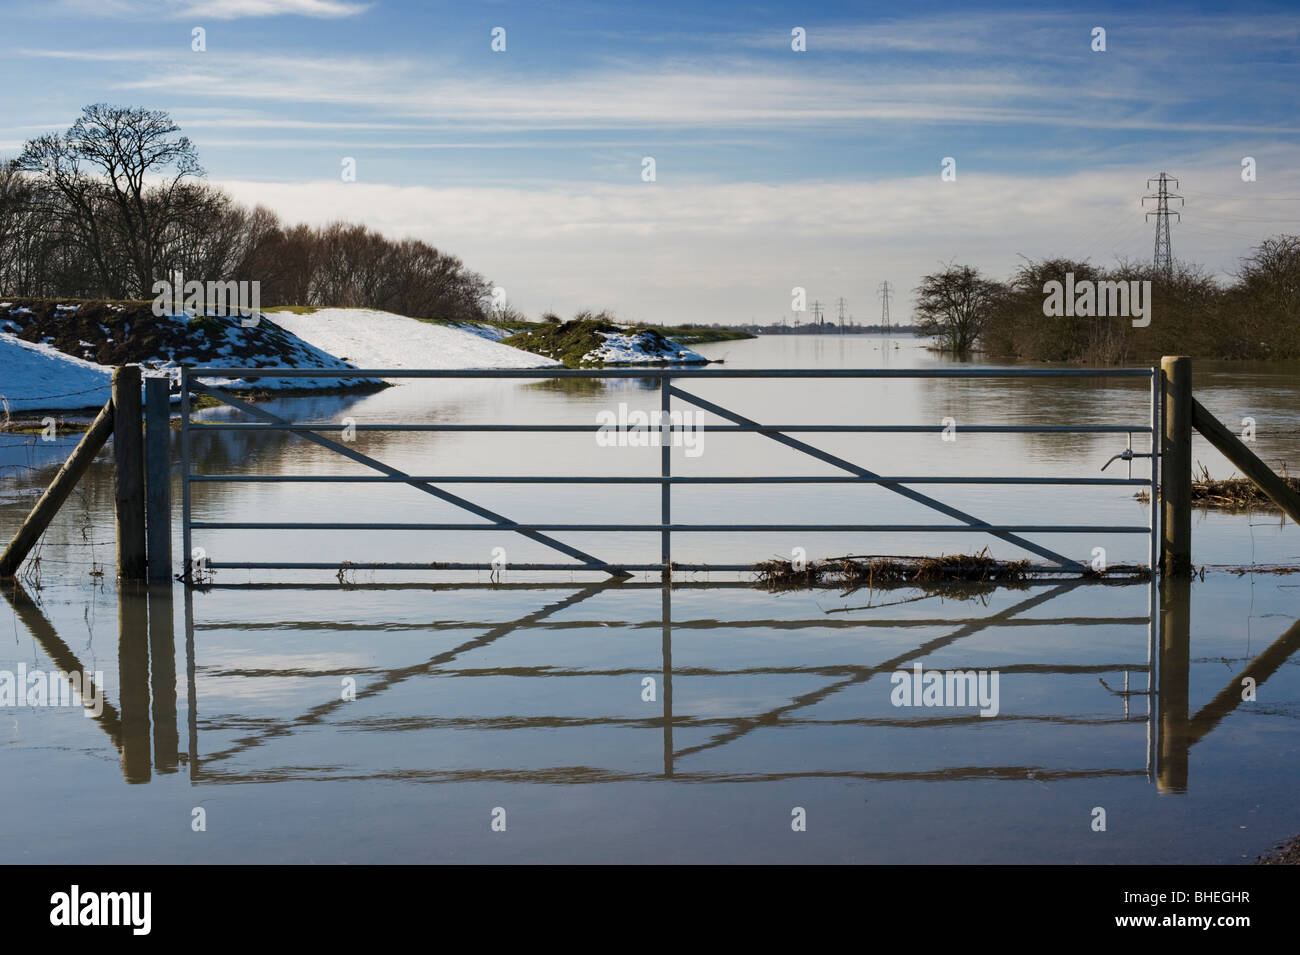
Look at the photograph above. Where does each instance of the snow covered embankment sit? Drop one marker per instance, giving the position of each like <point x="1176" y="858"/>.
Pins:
<point x="71" y="341"/>
<point x="375" y="340"/>
<point x="41" y="378"/>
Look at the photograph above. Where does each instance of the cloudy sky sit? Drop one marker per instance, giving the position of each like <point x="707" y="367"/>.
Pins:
<point x="774" y="168"/>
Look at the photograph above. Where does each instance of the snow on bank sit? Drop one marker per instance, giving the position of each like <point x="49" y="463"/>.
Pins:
<point x="639" y="348"/>
<point x="226" y="342"/>
<point x="40" y="377"/>
<point x="37" y="376"/>
<point x="493" y="333"/>
<point x="372" y="339"/>
<point x="47" y="353"/>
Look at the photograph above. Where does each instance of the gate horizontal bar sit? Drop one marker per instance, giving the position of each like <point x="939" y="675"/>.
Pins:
<point x="648" y="528"/>
<point x="648" y="479"/>
<point x="673" y="372"/>
<point x="599" y="567"/>
<point x="672" y="429"/>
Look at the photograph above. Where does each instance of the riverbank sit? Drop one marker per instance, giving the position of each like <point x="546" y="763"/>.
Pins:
<point x="594" y="343"/>
<point x="59" y="356"/>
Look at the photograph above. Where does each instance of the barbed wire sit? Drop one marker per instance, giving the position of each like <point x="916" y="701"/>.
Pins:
<point x="66" y="394"/>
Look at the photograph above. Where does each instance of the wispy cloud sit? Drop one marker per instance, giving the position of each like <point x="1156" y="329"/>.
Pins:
<point x="734" y="93"/>
<point x="218" y="9"/>
<point x="776" y="168"/>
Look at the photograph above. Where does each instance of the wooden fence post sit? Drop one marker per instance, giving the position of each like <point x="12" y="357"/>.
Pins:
<point x="1230" y="446"/>
<point x="1176" y="466"/>
<point x="128" y="452"/>
<point x="50" y="502"/>
<point x="158" y="483"/>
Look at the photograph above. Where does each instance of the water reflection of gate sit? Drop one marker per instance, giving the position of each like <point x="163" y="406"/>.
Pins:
<point x="663" y="379"/>
<point x="145" y="711"/>
<point x="210" y="766"/>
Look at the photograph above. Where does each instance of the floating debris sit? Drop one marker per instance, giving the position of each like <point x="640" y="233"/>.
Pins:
<point x="881" y="571"/>
<point x="1230" y="494"/>
<point x="874" y="571"/>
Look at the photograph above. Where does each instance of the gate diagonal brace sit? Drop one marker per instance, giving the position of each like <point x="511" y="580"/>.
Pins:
<point x="504" y="522"/>
<point x="907" y="492"/>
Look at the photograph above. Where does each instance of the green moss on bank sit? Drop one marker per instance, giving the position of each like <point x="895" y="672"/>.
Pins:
<point x="574" y="341"/>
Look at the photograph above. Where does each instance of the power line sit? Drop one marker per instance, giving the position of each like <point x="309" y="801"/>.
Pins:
<point x="1220" y="195"/>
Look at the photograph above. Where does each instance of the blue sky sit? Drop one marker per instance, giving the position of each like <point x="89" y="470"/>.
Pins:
<point x="774" y="168"/>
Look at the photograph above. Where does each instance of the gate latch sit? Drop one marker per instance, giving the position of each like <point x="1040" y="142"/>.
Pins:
<point x="1128" y="454"/>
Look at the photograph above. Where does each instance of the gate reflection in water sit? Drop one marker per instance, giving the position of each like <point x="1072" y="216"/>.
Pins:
<point x="143" y="722"/>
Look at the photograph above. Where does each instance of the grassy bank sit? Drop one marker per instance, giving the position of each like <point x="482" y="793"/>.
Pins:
<point x="594" y="343"/>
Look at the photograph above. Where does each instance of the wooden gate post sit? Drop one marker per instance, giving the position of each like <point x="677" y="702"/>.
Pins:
<point x="158" y="486"/>
<point x="128" y="453"/>
<point x="1176" y="466"/>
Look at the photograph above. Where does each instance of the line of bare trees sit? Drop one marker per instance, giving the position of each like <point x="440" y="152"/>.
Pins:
<point x="117" y="202"/>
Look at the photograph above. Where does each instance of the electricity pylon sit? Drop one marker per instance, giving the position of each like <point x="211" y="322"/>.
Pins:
<point x="1164" y="256"/>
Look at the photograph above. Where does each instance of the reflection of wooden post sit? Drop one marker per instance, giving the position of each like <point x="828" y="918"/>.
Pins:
<point x="1175" y="664"/>
<point x="158" y="486"/>
<point x="162" y="673"/>
<point x="133" y="677"/>
<point x="1176" y="466"/>
<point x="52" y="645"/>
<point x="57" y="492"/>
<point x="1230" y="697"/>
<point x="128" y="452"/>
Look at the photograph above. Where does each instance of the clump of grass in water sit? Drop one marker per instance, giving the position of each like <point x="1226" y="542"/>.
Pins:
<point x="1230" y="494"/>
<point x="886" y="571"/>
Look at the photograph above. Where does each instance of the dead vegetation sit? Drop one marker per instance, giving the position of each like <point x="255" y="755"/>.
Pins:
<point x="880" y="571"/>
<point x="1230" y="494"/>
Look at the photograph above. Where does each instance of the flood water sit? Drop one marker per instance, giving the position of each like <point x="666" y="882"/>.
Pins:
<point x="630" y="722"/>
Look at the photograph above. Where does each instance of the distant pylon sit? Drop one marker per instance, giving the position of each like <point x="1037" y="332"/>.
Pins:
<point x="817" y="312"/>
<point x="1164" y="256"/>
<point x="840" y="306"/>
<point x="885" y="290"/>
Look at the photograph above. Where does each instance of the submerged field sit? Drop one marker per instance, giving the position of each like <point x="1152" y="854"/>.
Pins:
<point x="363" y="716"/>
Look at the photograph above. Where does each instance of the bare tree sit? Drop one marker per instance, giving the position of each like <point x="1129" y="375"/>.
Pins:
<point x="116" y="202"/>
<point x="955" y="305"/>
<point x="120" y="171"/>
